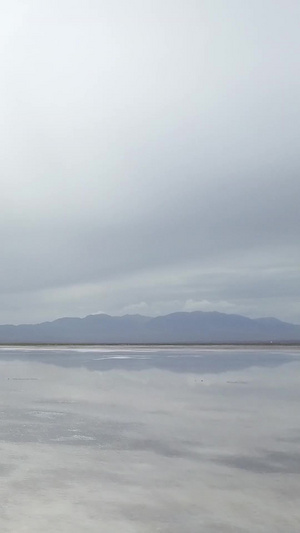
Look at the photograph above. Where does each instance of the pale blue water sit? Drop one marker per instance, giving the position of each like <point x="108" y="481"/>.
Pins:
<point x="173" y="359"/>
<point x="143" y="439"/>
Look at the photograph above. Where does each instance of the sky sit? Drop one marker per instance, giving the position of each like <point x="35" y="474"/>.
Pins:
<point x="149" y="158"/>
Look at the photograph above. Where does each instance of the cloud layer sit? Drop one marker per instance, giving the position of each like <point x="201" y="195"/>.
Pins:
<point x="149" y="158"/>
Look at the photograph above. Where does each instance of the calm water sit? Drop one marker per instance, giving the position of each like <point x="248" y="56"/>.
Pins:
<point x="141" y="439"/>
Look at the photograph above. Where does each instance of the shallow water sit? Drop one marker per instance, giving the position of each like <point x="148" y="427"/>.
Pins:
<point x="143" y="439"/>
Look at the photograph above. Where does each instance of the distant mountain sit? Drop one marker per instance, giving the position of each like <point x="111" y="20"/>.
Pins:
<point x="195" y="327"/>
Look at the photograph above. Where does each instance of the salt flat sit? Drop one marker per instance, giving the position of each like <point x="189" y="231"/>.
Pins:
<point x="144" y="439"/>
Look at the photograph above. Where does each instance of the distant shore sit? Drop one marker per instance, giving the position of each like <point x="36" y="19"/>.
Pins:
<point x="155" y="345"/>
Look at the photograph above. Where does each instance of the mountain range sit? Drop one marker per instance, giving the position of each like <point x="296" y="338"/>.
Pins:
<point x="182" y="327"/>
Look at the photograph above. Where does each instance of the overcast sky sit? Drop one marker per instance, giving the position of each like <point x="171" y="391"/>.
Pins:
<point x="149" y="157"/>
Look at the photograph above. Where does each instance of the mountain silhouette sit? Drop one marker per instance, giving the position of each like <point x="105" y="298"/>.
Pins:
<point x="182" y="327"/>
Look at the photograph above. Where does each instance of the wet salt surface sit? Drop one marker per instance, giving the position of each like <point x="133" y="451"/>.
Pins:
<point x="173" y="359"/>
<point x="143" y="439"/>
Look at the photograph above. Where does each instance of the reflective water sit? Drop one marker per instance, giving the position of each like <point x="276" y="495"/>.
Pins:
<point x="141" y="439"/>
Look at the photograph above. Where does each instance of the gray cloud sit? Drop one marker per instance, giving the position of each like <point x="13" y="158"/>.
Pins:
<point x="268" y="463"/>
<point x="146" y="145"/>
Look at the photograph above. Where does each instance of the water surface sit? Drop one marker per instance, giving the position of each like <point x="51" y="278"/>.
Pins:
<point x="143" y="439"/>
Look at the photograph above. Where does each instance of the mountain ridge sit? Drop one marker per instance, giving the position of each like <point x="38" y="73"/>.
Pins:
<point x="175" y="328"/>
